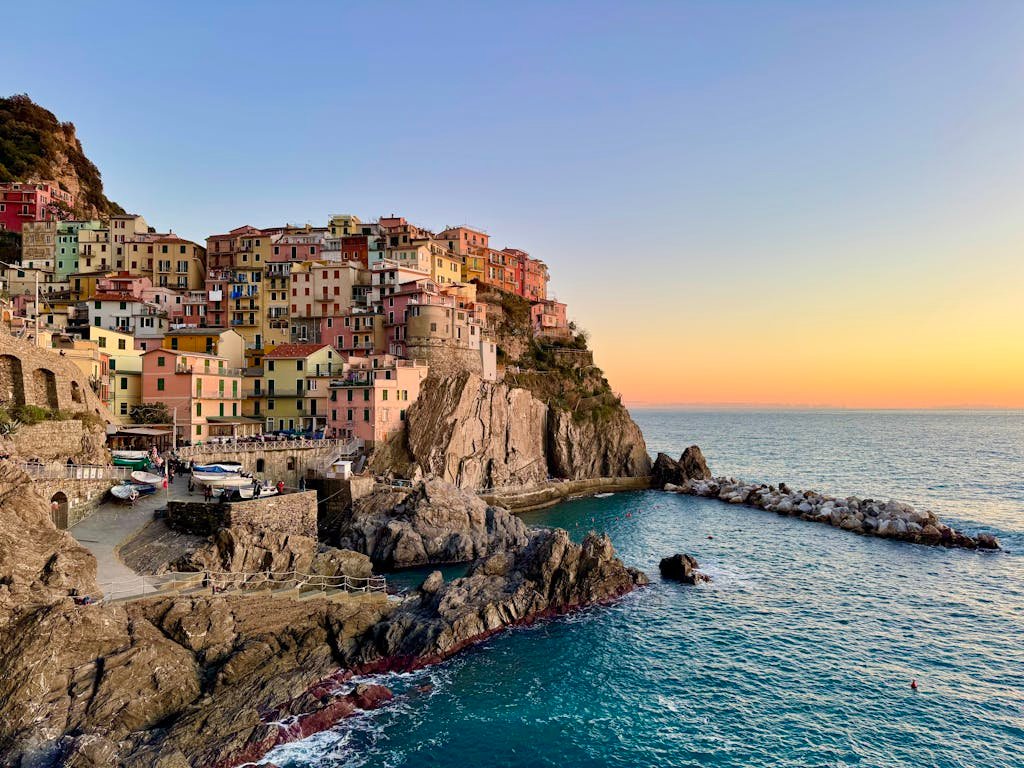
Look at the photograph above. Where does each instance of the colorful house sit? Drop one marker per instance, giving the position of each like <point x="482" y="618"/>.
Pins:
<point x="289" y="370"/>
<point x="220" y="342"/>
<point x="25" y="201"/>
<point x="371" y="397"/>
<point x="202" y="391"/>
<point x="125" y="370"/>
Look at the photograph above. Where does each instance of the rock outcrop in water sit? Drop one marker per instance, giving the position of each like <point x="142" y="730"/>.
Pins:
<point x="435" y="523"/>
<point x="887" y="519"/>
<point x="691" y="466"/>
<point x="549" y="576"/>
<point x="682" y="568"/>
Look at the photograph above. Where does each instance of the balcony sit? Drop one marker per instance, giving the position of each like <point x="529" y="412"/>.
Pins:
<point x="202" y="370"/>
<point x="354" y="379"/>
<point x="289" y="392"/>
<point x="244" y="322"/>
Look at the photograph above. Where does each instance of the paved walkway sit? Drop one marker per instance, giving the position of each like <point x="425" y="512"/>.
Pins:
<point x="114" y="522"/>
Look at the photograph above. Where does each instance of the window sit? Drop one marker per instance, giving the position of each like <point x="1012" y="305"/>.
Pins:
<point x="221" y="409"/>
<point x="199" y="427"/>
<point x="124" y="382"/>
<point x="199" y="409"/>
<point x="383" y="394"/>
<point x="234" y="409"/>
<point x="349" y="416"/>
<point x="270" y="365"/>
<point x="160" y="361"/>
<point x="298" y="365"/>
<point x="101" y="342"/>
<point x="121" y="344"/>
<point x="270" y="405"/>
<point x="160" y="385"/>
<point x="124" y="409"/>
<point x="366" y="414"/>
<point x="366" y="395"/>
<point x="174" y="342"/>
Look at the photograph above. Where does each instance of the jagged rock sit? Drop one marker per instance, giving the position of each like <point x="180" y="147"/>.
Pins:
<point x="38" y="563"/>
<point x="666" y="471"/>
<point x="693" y="465"/>
<point x="246" y="550"/>
<point x="680" y="567"/>
<point x="435" y="523"/>
<point x="548" y="576"/>
<point x="477" y="434"/>
<point x="583" y="448"/>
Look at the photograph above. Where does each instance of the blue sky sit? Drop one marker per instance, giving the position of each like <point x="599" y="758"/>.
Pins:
<point x="733" y="155"/>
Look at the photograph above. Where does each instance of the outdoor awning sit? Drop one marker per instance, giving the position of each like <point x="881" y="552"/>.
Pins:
<point x="234" y="420"/>
<point x="143" y="431"/>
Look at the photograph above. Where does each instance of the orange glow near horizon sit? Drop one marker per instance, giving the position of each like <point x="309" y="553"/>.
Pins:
<point x="951" y="338"/>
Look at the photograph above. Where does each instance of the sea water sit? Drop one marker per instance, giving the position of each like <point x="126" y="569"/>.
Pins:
<point x="799" y="653"/>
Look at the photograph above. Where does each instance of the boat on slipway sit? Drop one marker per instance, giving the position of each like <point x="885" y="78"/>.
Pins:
<point x="135" y="455"/>
<point x="131" y="491"/>
<point x="221" y="480"/>
<point x="147" y="478"/>
<point x="122" y="461"/>
<point x="222" y="467"/>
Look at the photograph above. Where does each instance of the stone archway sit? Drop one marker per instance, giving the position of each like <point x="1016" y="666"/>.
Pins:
<point x="12" y="381"/>
<point x="45" y="385"/>
<point x="59" y="510"/>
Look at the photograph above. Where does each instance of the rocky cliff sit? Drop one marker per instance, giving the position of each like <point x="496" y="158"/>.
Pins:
<point x="216" y="681"/>
<point x="35" y="146"/>
<point x="477" y="434"/>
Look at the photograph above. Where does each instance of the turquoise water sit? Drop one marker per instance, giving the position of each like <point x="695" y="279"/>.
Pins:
<point x="801" y="651"/>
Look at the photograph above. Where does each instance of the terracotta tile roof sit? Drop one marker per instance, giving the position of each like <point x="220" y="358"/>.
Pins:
<point x="296" y="350"/>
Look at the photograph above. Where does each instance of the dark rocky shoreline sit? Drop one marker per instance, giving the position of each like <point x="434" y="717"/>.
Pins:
<point x="886" y="519"/>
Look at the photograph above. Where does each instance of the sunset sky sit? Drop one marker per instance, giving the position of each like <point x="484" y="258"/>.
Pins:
<point x="745" y="203"/>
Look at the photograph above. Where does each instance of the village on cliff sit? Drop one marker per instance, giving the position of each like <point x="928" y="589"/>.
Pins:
<point x="324" y="331"/>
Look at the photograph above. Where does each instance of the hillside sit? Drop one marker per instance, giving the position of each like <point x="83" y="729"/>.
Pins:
<point x="34" y="145"/>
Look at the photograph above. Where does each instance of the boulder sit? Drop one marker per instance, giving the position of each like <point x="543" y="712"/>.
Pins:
<point x="680" y="567"/>
<point x="435" y="523"/>
<point x="666" y="471"/>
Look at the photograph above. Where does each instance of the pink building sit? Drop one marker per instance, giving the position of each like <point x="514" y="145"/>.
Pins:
<point x="27" y="201"/>
<point x="202" y="392"/>
<point x="354" y="334"/>
<point x="550" y="319"/>
<point x="370" y="399"/>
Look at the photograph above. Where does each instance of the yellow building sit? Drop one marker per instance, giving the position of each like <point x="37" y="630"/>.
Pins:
<point x="83" y="284"/>
<point x="226" y="343"/>
<point x="178" y="263"/>
<point x="125" y="370"/>
<point x="344" y="225"/>
<point x="94" y="251"/>
<point x="290" y="405"/>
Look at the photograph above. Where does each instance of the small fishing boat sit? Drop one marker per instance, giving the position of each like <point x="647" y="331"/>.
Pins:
<point x="130" y="454"/>
<point x="223" y="467"/>
<point x="247" y="493"/>
<point x="132" y="491"/>
<point x="142" y="463"/>
<point x="147" y="478"/>
<point x="217" y="480"/>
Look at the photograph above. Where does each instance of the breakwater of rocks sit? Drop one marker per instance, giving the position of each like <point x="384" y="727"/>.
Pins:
<point x="871" y="517"/>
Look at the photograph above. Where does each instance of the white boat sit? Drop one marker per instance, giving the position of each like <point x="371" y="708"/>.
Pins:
<point x="216" y="480"/>
<point x="223" y="467"/>
<point x="147" y="477"/>
<point x="247" y="493"/>
<point x="603" y="495"/>
<point x="130" y="492"/>
<point x="130" y="454"/>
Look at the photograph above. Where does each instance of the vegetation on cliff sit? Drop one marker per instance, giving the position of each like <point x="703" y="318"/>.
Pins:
<point x="34" y="145"/>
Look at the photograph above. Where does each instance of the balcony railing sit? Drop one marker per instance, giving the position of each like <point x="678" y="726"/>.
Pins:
<point x="209" y="371"/>
<point x="361" y="379"/>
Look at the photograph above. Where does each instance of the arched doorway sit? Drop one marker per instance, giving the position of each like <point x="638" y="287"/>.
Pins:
<point x="261" y="465"/>
<point x="59" y="510"/>
<point x="12" y="385"/>
<point x="45" y="388"/>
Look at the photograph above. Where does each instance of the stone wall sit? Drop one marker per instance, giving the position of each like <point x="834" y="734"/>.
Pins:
<point x="31" y="375"/>
<point x="57" y="441"/>
<point x="83" y="496"/>
<point x="287" y="464"/>
<point x="446" y="360"/>
<point x="290" y="513"/>
<point x="547" y="494"/>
